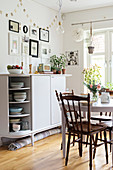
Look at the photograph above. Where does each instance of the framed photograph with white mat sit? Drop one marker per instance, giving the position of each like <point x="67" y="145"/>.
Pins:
<point x="33" y="32"/>
<point x="13" y="44"/>
<point x="33" y="48"/>
<point x="43" y="35"/>
<point x="25" y="48"/>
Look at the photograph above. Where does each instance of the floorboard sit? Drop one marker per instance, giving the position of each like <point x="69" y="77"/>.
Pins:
<point x="46" y="155"/>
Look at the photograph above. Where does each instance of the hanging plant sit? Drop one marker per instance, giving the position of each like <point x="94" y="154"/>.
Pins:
<point x="91" y="47"/>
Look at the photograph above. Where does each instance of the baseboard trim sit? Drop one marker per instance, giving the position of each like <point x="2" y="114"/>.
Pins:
<point x="0" y="142"/>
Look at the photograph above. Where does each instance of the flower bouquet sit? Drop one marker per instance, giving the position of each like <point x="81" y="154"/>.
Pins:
<point x="92" y="80"/>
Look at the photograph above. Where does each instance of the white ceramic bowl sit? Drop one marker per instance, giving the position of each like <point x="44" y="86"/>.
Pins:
<point x="15" y="71"/>
<point x="20" y="97"/>
<point x="16" y="127"/>
<point x="20" y="93"/>
<point x="20" y="100"/>
<point x="17" y="84"/>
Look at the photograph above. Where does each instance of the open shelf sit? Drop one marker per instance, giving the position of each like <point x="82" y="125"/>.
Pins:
<point x="24" y="88"/>
<point x="21" y="133"/>
<point x="22" y="115"/>
<point x="27" y="101"/>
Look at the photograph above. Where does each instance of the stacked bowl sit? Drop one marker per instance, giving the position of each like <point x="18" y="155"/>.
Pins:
<point x="15" y="110"/>
<point x="17" y="84"/>
<point x="20" y="96"/>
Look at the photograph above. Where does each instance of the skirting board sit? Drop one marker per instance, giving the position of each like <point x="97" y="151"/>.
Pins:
<point x="0" y="142"/>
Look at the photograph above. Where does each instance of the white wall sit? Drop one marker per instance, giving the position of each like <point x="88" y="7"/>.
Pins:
<point x="76" y="81"/>
<point x="39" y="14"/>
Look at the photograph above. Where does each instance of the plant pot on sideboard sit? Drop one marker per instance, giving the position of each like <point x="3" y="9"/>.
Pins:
<point x="63" y="71"/>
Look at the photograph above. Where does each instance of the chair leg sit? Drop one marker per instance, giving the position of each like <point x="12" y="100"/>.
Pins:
<point x="106" y="147"/>
<point x="87" y="140"/>
<point x="73" y="140"/>
<point x="81" y="146"/>
<point x="100" y="135"/>
<point x="61" y="147"/>
<point x="95" y="144"/>
<point x="90" y="152"/>
<point x="68" y="147"/>
<point x="110" y="138"/>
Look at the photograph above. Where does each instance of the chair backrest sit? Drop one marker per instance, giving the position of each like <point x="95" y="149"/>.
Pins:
<point x="72" y="106"/>
<point x="65" y="94"/>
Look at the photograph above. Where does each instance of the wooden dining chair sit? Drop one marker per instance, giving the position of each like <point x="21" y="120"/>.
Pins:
<point x="80" y="127"/>
<point x="58" y="98"/>
<point x="104" y="119"/>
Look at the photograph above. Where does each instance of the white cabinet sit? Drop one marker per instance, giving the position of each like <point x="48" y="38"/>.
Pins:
<point x="40" y="102"/>
<point x="57" y="83"/>
<point x="41" y="106"/>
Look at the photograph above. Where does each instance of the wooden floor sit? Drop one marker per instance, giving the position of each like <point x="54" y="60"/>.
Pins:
<point x="46" y="155"/>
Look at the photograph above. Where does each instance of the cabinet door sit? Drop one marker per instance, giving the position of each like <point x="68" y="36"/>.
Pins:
<point x="40" y="102"/>
<point x="57" y="83"/>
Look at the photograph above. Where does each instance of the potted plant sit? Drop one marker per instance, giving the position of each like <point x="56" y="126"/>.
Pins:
<point x="90" y="41"/>
<point x="53" y="61"/>
<point x="56" y="64"/>
<point x="63" y="62"/>
<point x="92" y="80"/>
<point x="109" y="87"/>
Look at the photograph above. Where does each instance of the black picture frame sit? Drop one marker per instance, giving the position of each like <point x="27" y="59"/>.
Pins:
<point x="14" y="26"/>
<point x="43" y="35"/>
<point x="25" y="29"/>
<point x="36" y="45"/>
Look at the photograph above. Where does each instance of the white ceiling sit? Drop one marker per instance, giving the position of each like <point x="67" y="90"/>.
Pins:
<point x="71" y="6"/>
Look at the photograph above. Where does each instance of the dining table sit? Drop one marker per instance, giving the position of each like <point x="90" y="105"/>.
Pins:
<point x="95" y="108"/>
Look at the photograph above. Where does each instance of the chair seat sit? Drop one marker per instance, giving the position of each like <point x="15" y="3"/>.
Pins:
<point x="101" y="118"/>
<point x="94" y="128"/>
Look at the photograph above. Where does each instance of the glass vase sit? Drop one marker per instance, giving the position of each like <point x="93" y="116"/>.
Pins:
<point x="94" y="96"/>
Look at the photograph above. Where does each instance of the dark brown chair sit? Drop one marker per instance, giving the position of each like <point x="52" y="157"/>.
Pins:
<point x="80" y="127"/>
<point x="104" y="119"/>
<point x="58" y="98"/>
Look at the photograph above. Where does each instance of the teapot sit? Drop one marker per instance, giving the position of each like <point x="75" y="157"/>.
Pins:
<point x="105" y="97"/>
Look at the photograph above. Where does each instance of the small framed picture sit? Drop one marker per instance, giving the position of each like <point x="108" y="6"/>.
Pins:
<point x="33" y="48"/>
<point x="25" y="29"/>
<point x="72" y="58"/>
<point x="14" y="44"/>
<point x="25" y="38"/>
<point x="43" y="35"/>
<point x="45" y="50"/>
<point x="25" y="48"/>
<point x="13" y="26"/>
<point x="33" y="32"/>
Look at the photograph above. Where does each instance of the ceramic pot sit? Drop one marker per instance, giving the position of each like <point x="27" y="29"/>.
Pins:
<point x="59" y="71"/>
<point x="63" y="71"/>
<point x="54" y="71"/>
<point x="90" y="49"/>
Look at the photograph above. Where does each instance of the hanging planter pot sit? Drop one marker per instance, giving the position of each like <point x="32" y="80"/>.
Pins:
<point x="90" y="47"/>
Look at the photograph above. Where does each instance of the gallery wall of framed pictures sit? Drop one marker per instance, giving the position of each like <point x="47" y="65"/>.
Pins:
<point x="25" y="40"/>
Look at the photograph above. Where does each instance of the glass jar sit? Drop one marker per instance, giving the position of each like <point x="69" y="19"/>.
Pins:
<point x="25" y="125"/>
